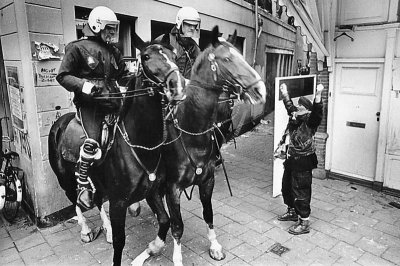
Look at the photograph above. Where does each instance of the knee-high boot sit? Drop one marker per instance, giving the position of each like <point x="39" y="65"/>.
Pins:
<point x="86" y="188"/>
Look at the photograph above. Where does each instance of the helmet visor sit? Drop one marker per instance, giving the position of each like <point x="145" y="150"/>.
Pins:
<point x="191" y="28"/>
<point x="110" y="32"/>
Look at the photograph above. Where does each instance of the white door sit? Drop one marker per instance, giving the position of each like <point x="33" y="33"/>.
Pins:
<point x="356" y="110"/>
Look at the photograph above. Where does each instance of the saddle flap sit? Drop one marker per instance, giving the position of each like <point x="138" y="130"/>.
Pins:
<point x="72" y="140"/>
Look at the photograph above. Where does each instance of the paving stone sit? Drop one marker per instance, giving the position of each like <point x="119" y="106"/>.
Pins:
<point x="9" y="255"/>
<point x="29" y="241"/>
<point x="322" y="214"/>
<point x="227" y="261"/>
<point x="347" y="251"/>
<point x="246" y="252"/>
<point x="242" y="218"/>
<point x="253" y="238"/>
<point x="371" y="246"/>
<point x="392" y="254"/>
<point x="278" y="235"/>
<point x="300" y="243"/>
<point x="259" y="226"/>
<point x="323" y="256"/>
<point x="345" y="261"/>
<point x="267" y="259"/>
<point x="6" y="243"/>
<point x="322" y="205"/>
<point x="54" y="229"/>
<point x="198" y="245"/>
<point x="345" y="235"/>
<point x="234" y="229"/>
<point x="388" y="228"/>
<point x="323" y="240"/>
<point x="371" y="260"/>
<point x="229" y="241"/>
<point x="35" y="253"/>
<point x="57" y="238"/>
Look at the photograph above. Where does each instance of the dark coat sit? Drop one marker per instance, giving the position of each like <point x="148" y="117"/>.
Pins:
<point x="186" y="48"/>
<point x="90" y="59"/>
<point x="301" y="150"/>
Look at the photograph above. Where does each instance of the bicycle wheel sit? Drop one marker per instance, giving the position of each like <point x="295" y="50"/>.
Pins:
<point x="12" y="202"/>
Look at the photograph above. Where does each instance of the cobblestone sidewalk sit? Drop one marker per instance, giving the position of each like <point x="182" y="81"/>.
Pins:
<point x="351" y="225"/>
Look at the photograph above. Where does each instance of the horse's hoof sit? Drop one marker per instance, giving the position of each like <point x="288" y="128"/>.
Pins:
<point x="108" y="235"/>
<point x="134" y="209"/>
<point x="217" y="254"/>
<point x="91" y="236"/>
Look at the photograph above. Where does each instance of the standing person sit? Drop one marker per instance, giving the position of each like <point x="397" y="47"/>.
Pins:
<point x="184" y="37"/>
<point x="91" y="67"/>
<point x="301" y="158"/>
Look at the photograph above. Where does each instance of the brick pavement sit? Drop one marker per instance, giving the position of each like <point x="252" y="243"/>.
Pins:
<point x="351" y="225"/>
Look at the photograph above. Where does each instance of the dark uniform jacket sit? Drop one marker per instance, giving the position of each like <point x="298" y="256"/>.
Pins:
<point x="301" y="149"/>
<point x="91" y="60"/>
<point x="187" y="50"/>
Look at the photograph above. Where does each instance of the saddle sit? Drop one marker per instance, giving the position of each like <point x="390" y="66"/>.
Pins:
<point x="74" y="136"/>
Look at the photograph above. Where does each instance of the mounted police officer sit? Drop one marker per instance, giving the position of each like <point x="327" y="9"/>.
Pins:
<point x="184" y="37"/>
<point x="91" y="68"/>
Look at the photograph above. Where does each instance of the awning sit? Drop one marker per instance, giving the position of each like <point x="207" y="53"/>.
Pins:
<point x="306" y="17"/>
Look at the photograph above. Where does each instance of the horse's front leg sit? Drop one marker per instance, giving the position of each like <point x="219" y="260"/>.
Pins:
<point x="118" y="216"/>
<point x="155" y="247"/>
<point x="205" y="190"/>
<point x="87" y="235"/>
<point x="106" y="224"/>
<point x="173" y="201"/>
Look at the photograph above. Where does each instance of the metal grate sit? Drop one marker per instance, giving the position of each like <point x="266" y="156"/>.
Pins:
<point x="278" y="249"/>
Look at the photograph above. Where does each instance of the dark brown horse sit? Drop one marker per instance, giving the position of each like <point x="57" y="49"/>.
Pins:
<point x="130" y="168"/>
<point x="190" y="154"/>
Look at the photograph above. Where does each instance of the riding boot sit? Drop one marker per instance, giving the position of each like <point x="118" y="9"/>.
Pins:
<point x="86" y="188"/>
<point x="289" y="215"/>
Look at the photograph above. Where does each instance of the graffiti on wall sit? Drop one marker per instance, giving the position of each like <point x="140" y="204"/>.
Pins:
<point x="22" y="143"/>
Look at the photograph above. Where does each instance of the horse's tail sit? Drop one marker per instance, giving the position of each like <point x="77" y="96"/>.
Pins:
<point x="57" y="163"/>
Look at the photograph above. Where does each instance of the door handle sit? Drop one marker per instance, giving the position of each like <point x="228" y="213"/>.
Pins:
<point x="378" y="114"/>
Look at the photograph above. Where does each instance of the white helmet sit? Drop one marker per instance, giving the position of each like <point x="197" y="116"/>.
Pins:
<point x="187" y="13"/>
<point x="101" y="16"/>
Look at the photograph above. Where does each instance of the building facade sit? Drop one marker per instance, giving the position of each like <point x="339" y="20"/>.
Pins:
<point x="33" y="37"/>
<point x="352" y="46"/>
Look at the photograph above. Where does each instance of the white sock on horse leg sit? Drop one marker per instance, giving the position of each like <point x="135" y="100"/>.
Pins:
<point x="177" y="256"/>
<point x="212" y="236"/>
<point x="106" y="224"/>
<point x="82" y="221"/>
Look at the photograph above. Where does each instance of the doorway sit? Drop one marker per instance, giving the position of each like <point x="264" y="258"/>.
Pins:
<point x="356" y="111"/>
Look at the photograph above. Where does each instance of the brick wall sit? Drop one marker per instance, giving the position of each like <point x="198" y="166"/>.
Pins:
<point x="321" y="135"/>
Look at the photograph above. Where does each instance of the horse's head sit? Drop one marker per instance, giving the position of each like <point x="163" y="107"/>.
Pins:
<point x="158" y="66"/>
<point x="231" y="69"/>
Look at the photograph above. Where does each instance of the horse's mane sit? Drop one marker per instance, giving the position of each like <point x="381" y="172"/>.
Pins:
<point x="200" y="59"/>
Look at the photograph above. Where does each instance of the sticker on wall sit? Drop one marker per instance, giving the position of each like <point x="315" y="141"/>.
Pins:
<point x="45" y="51"/>
<point x="15" y="94"/>
<point x="46" y="72"/>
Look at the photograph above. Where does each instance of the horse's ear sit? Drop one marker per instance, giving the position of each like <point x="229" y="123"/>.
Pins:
<point x="138" y="42"/>
<point x="232" y="38"/>
<point x="215" y="34"/>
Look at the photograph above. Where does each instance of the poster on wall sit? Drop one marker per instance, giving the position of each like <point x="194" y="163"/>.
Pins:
<point x="15" y="93"/>
<point x="297" y="86"/>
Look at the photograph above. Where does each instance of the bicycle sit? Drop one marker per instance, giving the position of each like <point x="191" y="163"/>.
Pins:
<point x="10" y="186"/>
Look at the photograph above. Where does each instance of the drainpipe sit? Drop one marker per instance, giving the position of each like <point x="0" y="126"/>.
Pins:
<point x="256" y="28"/>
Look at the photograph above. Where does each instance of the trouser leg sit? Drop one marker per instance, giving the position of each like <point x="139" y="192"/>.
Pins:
<point x="301" y="182"/>
<point x="287" y="188"/>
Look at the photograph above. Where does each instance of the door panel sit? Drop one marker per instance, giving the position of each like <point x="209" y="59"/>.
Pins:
<point x="356" y="110"/>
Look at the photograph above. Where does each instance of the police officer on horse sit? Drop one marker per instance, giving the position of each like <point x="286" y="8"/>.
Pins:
<point x="184" y="37"/>
<point x="90" y="69"/>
